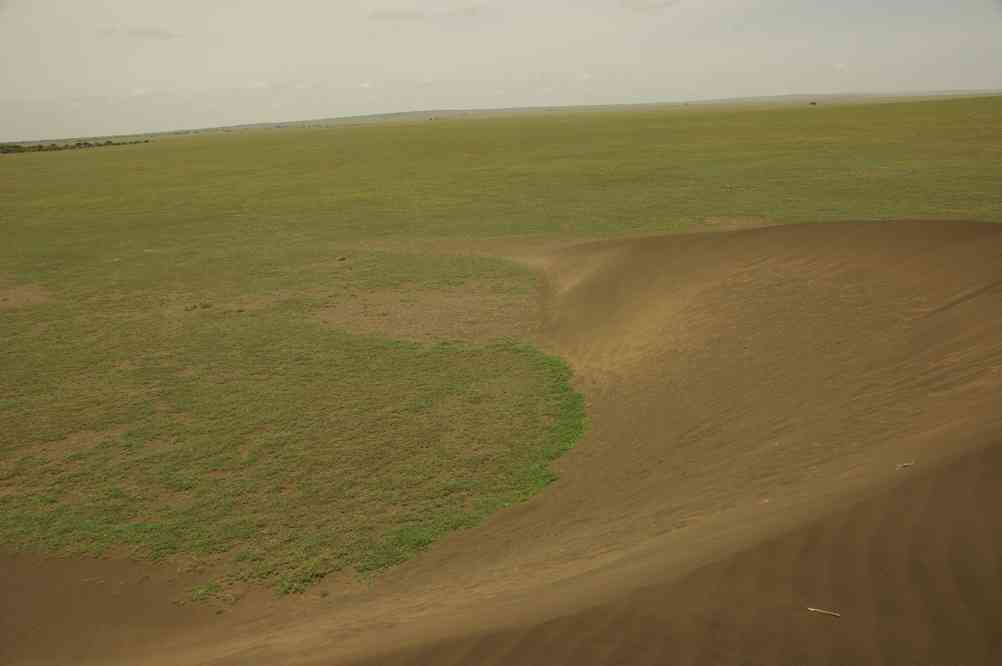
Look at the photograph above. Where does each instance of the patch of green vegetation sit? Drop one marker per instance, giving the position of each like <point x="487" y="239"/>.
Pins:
<point x="205" y="592"/>
<point x="265" y="441"/>
<point x="174" y="394"/>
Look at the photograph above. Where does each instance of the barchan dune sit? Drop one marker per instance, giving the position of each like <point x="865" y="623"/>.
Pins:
<point x="781" y="419"/>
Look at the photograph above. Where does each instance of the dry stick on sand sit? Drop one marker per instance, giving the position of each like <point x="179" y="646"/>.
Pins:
<point x="824" y="612"/>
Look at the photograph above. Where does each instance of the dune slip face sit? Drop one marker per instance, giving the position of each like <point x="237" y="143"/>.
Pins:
<point x="780" y="419"/>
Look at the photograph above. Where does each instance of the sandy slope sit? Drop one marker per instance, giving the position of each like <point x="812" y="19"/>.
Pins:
<point x="752" y="386"/>
<point x="752" y="395"/>
<point x="914" y="573"/>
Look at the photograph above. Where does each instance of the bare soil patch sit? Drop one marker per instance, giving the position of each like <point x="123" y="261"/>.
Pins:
<point x="472" y="313"/>
<point x="22" y="296"/>
<point x="77" y="442"/>
<point x="53" y="610"/>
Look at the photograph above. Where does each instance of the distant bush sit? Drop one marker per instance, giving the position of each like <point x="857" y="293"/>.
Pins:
<point x="11" y="148"/>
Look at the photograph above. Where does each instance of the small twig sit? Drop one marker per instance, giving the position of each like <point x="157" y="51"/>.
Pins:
<point x="905" y="465"/>
<point x="825" y="612"/>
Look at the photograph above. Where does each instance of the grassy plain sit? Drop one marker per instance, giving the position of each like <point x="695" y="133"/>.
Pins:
<point x="168" y="387"/>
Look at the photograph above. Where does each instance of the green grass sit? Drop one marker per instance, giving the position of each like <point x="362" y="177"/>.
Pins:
<point x="286" y="449"/>
<point x="260" y="441"/>
<point x="601" y="173"/>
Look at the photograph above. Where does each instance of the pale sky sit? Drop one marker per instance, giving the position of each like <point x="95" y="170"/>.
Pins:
<point x="93" y="67"/>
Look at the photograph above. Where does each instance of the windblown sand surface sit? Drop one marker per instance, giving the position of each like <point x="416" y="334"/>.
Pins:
<point x="780" y="418"/>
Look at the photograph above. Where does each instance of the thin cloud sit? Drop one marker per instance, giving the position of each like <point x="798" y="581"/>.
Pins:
<point x="408" y="14"/>
<point x="141" y="33"/>
<point x="400" y="15"/>
<point x="475" y="11"/>
<point x="648" y="6"/>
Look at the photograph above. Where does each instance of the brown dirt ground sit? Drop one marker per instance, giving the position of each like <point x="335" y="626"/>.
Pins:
<point x="471" y="313"/>
<point x="73" y="443"/>
<point x="752" y="396"/>
<point x="60" y="611"/>
<point x="22" y="296"/>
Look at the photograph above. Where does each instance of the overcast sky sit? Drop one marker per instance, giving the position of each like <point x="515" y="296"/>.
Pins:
<point x="91" y="67"/>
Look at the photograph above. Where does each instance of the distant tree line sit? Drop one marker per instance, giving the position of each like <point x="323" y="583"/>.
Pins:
<point x="9" y="148"/>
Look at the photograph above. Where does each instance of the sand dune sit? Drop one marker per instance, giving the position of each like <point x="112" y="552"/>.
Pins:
<point x="780" y="418"/>
<point x="913" y="573"/>
<point x="752" y="396"/>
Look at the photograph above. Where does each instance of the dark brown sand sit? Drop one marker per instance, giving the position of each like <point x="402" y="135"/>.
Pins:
<point x="781" y="418"/>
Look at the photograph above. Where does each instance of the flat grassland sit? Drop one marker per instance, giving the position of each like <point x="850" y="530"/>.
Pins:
<point x="280" y="354"/>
